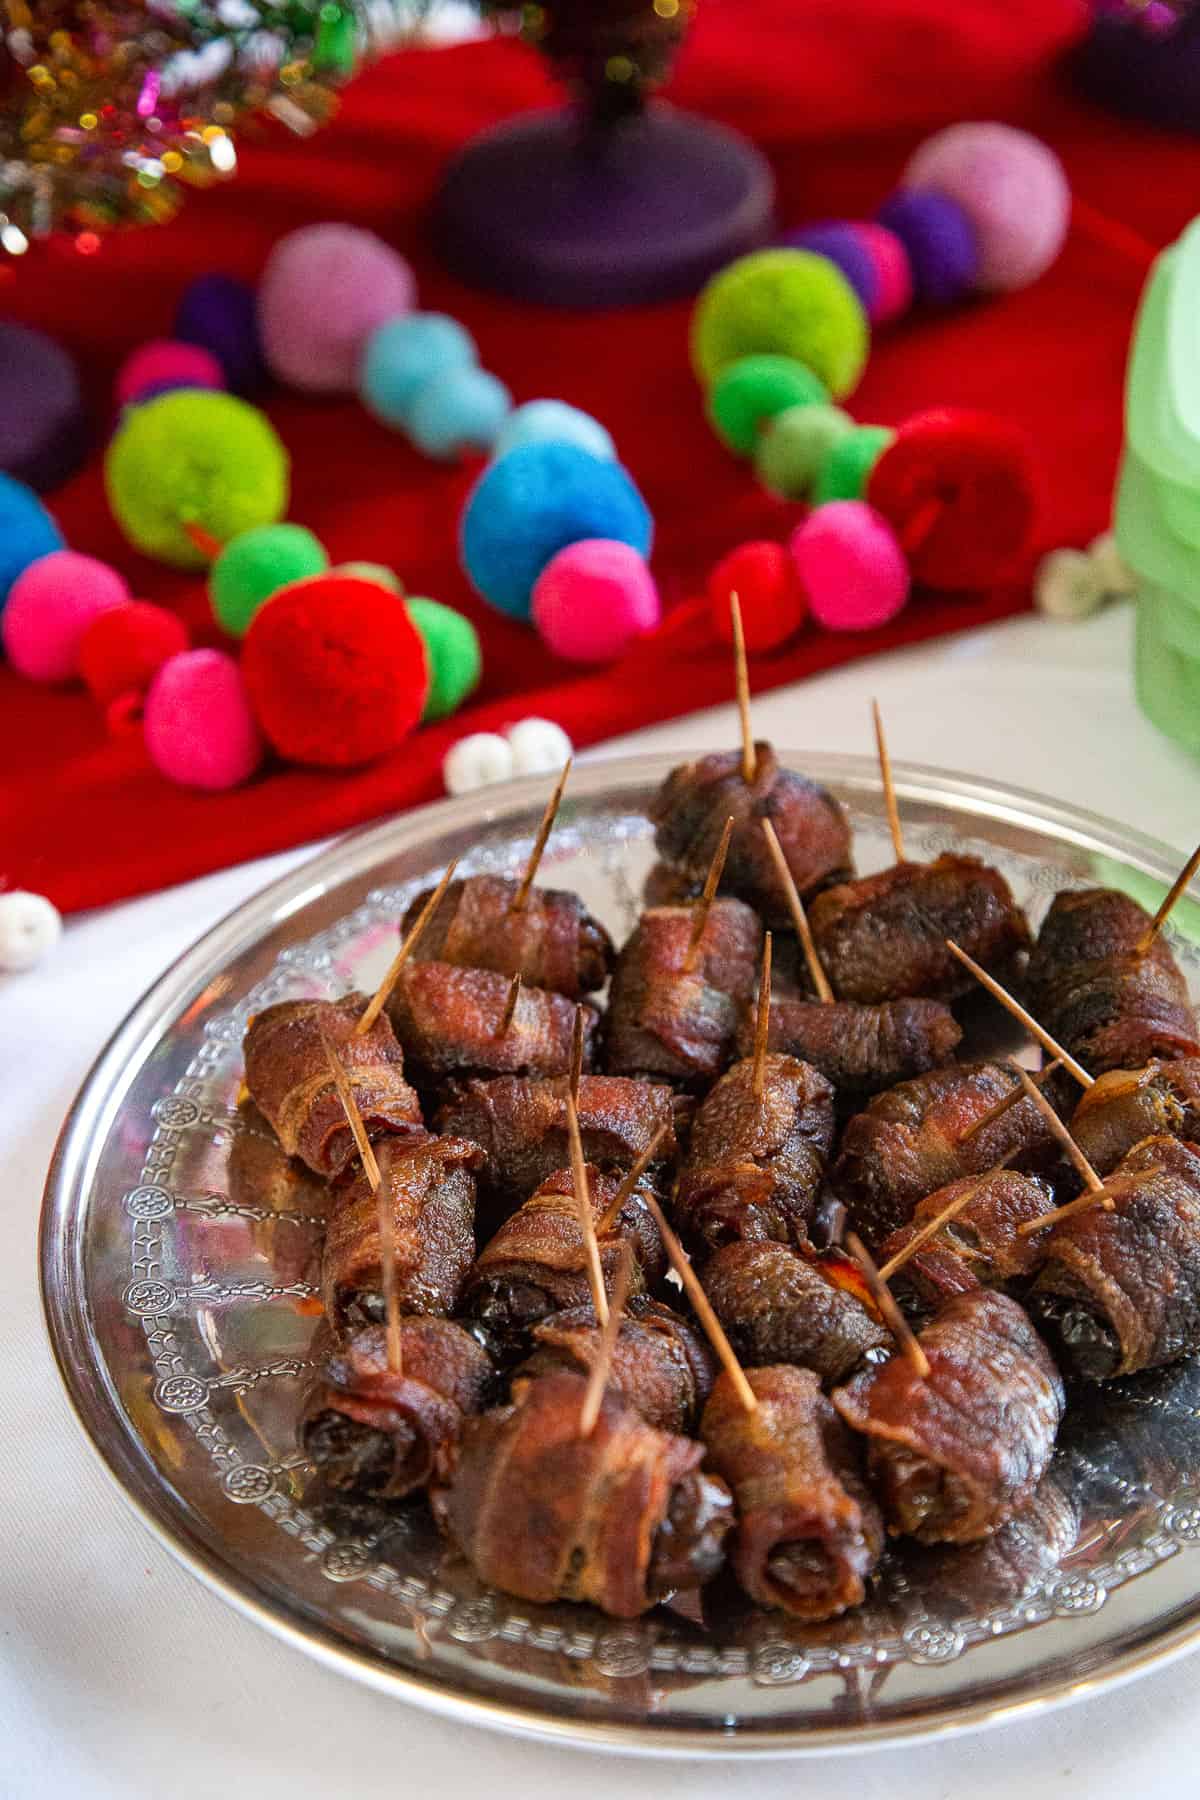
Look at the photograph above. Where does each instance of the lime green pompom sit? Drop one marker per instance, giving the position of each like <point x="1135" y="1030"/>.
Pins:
<point x="197" y="457"/>
<point x="256" y="565"/>
<point x="369" y="571"/>
<point x="749" y="392"/>
<point x="455" y="658"/>
<point x="786" y="302"/>
<point x="794" y="445"/>
<point x="847" y="468"/>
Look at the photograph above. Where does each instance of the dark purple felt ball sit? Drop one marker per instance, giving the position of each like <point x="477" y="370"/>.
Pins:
<point x="838" y="240"/>
<point x="942" y="246"/>
<point x="220" y="313"/>
<point x="43" y="427"/>
<point x="1144" y="73"/>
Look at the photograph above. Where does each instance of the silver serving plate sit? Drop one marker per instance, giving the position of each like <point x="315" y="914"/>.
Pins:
<point x="179" y="1255"/>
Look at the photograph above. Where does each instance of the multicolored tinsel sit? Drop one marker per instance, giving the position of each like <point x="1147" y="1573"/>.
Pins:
<point x="1157" y="18"/>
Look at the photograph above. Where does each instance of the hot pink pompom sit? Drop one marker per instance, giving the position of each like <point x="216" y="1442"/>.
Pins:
<point x="50" y="606"/>
<point x="1013" y="189"/>
<point x="199" y="728"/>
<point x="851" y="566"/>
<point x="163" y="362"/>
<point x="592" y="598"/>
<point x="323" y="292"/>
<point x="893" y="271"/>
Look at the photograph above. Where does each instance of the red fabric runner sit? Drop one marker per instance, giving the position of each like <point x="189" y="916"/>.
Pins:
<point x="837" y="92"/>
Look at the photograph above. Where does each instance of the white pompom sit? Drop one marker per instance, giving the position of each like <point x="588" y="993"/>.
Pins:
<point x="1068" y="585"/>
<point x="539" y="747"/>
<point x="29" y="929"/>
<point x="1112" y="571"/>
<point x="476" y="762"/>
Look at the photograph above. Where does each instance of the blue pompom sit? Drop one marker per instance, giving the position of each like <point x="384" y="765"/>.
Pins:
<point x="402" y="354"/>
<point x="460" y="410"/>
<point x="533" y="503"/>
<point x="26" y="532"/>
<point x="554" y="422"/>
<point x="220" y="313"/>
<point x="942" y="245"/>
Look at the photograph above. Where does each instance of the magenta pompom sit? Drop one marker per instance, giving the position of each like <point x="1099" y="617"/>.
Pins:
<point x="592" y="598"/>
<point x="893" y="271"/>
<point x="165" y="363"/>
<point x="851" y="566"/>
<point x="50" y="606"/>
<point x="324" y="290"/>
<point x="200" y="730"/>
<point x="1013" y="189"/>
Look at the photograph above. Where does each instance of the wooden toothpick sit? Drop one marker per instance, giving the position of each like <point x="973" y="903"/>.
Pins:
<point x="510" y="1006"/>
<point x="602" y="1365"/>
<point x="882" y="1295"/>
<point x="383" y="1201"/>
<point x="791" y="892"/>
<point x="681" y="1262"/>
<point x="762" y="1025"/>
<point x="889" y="786"/>
<point x="703" y="906"/>
<point x="1050" y="1045"/>
<point x="576" y="1075"/>
<point x="380" y="997"/>
<point x="629" y="1181"/>
<point x="583" y="1206"/>
<point x="1161" y="916"/>
<point x="742" y="677"/>
<point x="520" y="898"/>
<point x="1103" y="1200"/>
<point x="931" y="1228"/>
<point x="1016" y="1092"/>
<point x="1088" y="1175"/>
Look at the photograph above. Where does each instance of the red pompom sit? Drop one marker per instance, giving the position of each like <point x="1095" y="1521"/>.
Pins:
<point x="960" y="490"/>
<point x="764" y="578"/>
<point x="121" y="652"/>
<point x="336" y="670"/>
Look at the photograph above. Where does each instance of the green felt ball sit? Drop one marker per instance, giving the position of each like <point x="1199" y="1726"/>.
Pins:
<point x="455" y="658"/>
<point x="847" y="468"/>
<point x="787" y="302"/>
<point x="199" y="457"/>
<point x="794" y="444"/>
<point x="749" y="392"/>
<point x="369" y="571"/>
<point x="256" y="565"/>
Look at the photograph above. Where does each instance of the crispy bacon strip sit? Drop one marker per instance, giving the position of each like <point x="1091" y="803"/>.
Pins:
<point x="662" y="1365"/>
<point x="1126" y="1105"/>
<point x="981" y="1246"/>
<point x="778" y="1306"/>
<point x="288" y="1078"/>
<point x="621" y="1518"/>
<point x="861" y="1049"/>
<point x="553" y="941"/>
<point x="809" y="1532"/>
<point x="450" y="1022"/>
<point x="954" y="1454"/>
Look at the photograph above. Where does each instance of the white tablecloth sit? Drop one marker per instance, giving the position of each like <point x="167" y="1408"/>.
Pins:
<point x="120" y="1674"/>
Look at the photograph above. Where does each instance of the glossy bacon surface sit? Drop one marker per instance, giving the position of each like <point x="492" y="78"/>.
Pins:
<point x="552" y="942"/>
<point x="662" y="1365"/>
<point x="981" y="1246"/>
<point x="861" y="1049"/>
<point x="1126" y="1105"/>
<point x="449" y="1019"/>
<point x="778" y="1306"/>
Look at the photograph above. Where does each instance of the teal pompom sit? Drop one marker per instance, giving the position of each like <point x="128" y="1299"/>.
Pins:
<point x="402" y="354"/>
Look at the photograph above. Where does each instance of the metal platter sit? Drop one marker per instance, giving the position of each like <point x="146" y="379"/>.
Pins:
<point x="178" y="1262"/>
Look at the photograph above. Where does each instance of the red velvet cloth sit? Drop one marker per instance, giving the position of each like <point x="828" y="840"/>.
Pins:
<point x="837" y="92"/>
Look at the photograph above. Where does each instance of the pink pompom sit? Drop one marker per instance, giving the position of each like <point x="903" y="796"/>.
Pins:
<point x="893" y="271"/>
<point x="1013" y="189"/>
<point x="851" y="566"/>
<point x="50" y="606"/>
<point x="592" y="598"/>
<point x="323" y="292"/>
<point x="199" y="728"/>
<point x="165" y="362"/>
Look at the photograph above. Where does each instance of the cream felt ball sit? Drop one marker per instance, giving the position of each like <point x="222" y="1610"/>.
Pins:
<point x="593" y="598"/>
<point x="30" y="926"/>
<point x="324" y="290"/>
<point x="539" y="746"/>
<point x="50" y="606"/>
<point x="200" y="730"/>
<point x="786" y="303"/>
<point x="477" y="761"/>
<point x="1011" y="186"/>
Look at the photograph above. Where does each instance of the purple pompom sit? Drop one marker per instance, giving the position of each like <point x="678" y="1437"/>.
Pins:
<point x="942" y="246"/>
<point x="220" y="313"/>
<point x="840" y="242"/>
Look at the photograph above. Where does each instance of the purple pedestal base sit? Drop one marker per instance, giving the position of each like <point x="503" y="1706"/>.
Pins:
<point x="647" y="212"/>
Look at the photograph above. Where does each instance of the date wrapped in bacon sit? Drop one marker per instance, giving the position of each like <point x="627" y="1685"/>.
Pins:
<point x="755" y="1162"/>
<point x="972" y="1580"/>
<point x="537" y="1262"/>
<point x="778" y="1306"/>
<point x="377" y="1434"/>
<point x="1086" y="984"/>
<point x="1119" y="1291"/>
<point x="681" y="1026"/>
<point x="621" y="1518"/>
<point x="955" y="1453"/>
<point x="691" y="807"/>
<point x="449" y="1022"/>
<point x="910" y="1141"/>
<point x="288" y="1078"/>
<point x="861" y="1049"/>
<point x="552" y="942"/>
<point x="809" y="1533"/>
<point x="981" y="1246"/>
<point x="662" y="1366"/>
<point x="430" y="1183"/>
<point x="884" y="937"/>
<point x="1126" y="1105"/>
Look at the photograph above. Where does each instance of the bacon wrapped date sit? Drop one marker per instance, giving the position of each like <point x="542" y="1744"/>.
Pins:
<point x="955" y="1453"/>
<point x="552" y="942"/>
<point x="1119" y="1291"/>
<point x="755" y="1162"/>
<point x="909" y="1142"/>
<point x="971" y="1580"/>
<point x="288" y="1078"/>
<point x="376" y="1434"/>
<point x="809" y="1533"/>
<point x="449" y="1020"/>
<point x="691" y="807"/>
<point x="1110" y="1007"/>
<point x="778" y="1306"/>
<point x="665" y="1022"/>
<point x="861" y="1049"/>
<point x="662" y="1365"/>
<point x="1126" y="1105"/>
<point x="430" y="1183"/>
<point x="621" y="1518"/>
<point x="981" y="1246"/>
<point x="883" y="937"/>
